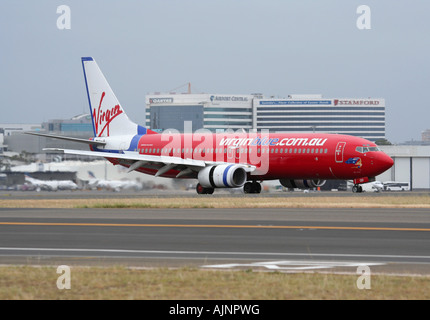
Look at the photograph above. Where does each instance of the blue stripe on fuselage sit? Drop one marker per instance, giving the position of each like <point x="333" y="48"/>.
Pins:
<point x="141" y="130"/>
<point x="134" y="142"/>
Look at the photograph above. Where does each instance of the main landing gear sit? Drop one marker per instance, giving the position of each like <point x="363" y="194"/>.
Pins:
<point x="357" y="188"/>
<point x="202" y="190"/>
<point x="252" y="187"/>
<point x="249" y="187"/>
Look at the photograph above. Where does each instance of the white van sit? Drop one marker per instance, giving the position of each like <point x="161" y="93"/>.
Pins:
<point x="375" y="186"/>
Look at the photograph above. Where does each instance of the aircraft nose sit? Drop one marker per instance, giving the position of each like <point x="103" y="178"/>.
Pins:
<point x="386" y="162"/>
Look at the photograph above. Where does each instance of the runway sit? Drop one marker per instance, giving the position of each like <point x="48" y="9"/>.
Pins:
<point x="332" y="240"/>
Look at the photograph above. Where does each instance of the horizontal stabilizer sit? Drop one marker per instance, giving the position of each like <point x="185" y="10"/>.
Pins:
<point x="87" y="141"/>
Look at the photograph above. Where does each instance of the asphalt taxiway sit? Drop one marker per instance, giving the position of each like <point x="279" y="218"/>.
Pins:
<point x="286" y="239"/>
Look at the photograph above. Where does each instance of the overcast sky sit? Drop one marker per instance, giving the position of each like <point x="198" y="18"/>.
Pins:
<point x="224" y="46"/>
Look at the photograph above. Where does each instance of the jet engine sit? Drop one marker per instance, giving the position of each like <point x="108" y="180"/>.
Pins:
<point x="222" y="176"/>
<point x="301" y="184"/>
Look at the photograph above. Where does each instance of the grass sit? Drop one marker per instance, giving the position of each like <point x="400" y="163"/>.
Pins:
<point x="412" y="201"/>
<point x="105" y="283"/>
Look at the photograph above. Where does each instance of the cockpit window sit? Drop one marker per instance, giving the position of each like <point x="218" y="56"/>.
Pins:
<point x="367" y="149"/>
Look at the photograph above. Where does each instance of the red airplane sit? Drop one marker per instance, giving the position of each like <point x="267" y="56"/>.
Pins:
<point x="225" y="160"/>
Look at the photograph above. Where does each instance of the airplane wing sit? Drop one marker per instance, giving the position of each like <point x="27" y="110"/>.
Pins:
<point x="162" y="163"/>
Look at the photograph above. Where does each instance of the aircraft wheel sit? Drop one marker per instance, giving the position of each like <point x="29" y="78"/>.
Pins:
<point x="252" y="187"/>
<point x="247" y="188"/>
<point x="357" y="188"/>
<point x="202" y="190"/>
<point x="257" y="187"/>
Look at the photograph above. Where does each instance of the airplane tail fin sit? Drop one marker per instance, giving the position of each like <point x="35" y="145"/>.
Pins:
<point x="91" y="174"/>
<point x="109" y="118"/>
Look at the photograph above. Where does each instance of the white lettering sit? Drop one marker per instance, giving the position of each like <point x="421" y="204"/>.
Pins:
<point x="64" y="281"/>
<point x="363" y="21"/>
<point x="234" y="309"/>
<point x="363" y="281"/>
<point x="64" y="21"/>
<point x="186" y="310"/>
<point x="320" y="142"/>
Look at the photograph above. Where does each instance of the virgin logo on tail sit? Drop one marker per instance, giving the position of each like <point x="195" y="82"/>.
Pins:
<point x="102" y="119"/>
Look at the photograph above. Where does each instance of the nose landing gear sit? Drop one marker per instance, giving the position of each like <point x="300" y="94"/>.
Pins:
<point x="357" y="188"/>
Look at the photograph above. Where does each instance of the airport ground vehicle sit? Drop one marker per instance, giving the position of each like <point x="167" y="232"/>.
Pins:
<point x="396" y="186"/>
<point x="376" y="186"/>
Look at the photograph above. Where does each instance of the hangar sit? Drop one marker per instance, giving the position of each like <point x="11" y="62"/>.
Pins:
<point x="411" y="164"/>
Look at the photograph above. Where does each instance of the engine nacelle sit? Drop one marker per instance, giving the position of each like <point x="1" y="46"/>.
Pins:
<point x="222" y="176"/>
<point x="301" y="184"/>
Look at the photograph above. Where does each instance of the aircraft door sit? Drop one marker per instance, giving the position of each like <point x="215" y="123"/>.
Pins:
<point x="339" y="152"/>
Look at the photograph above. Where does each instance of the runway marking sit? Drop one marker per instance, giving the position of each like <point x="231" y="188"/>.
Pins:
<point x="291" y="265"/>
<point x="233" y="253"/>
<point x="70" y="224"/>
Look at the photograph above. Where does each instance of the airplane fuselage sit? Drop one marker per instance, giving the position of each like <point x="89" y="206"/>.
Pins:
<point x="276" y="156"/>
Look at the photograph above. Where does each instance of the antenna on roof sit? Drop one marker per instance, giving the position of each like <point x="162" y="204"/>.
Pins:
<point x="185" y="84"/>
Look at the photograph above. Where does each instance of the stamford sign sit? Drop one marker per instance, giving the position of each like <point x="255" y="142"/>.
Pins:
<point x="356" y="102"/>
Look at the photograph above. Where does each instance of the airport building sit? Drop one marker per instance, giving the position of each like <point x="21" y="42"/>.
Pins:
<point x="215" y="112"/>
<point x="297" y="113"/>
<point x="12" y="137"/>
<point x="9" y="131"/>
<point x="426" y="135"/>
<point x="358" y="117"/>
